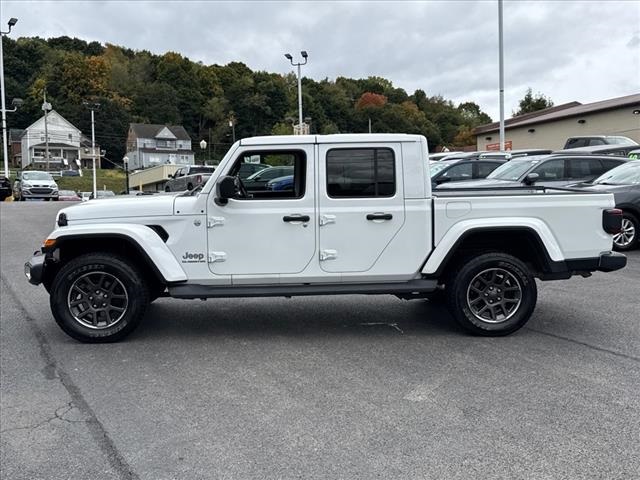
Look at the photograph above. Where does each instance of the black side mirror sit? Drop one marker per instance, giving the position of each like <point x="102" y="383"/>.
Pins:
<point x="531" y="178"/>
<point x="225" y="189"/>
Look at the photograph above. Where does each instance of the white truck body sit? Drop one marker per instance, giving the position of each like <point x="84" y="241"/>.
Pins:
<point x="409" y="236"/>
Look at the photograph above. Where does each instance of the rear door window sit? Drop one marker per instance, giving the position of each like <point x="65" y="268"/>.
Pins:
<point x="485" y="168"/>
<point x="360" y="172"/>
<point x="584" y="167"/>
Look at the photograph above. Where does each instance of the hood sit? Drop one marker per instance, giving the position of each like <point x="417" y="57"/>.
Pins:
<point x="484" y="183"/>
<point x="121" y="208"/>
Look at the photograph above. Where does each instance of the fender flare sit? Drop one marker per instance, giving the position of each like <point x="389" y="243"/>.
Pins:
<point x="144" y="239"/>
<point x="459" y="231"/>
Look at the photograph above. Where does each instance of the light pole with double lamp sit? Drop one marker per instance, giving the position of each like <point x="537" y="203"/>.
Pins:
<point x="5" y="151"/>
<point x="305" y="55"/>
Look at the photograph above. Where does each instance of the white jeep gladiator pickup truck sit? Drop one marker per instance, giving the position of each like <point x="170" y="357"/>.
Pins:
<point x="357" y="217"/>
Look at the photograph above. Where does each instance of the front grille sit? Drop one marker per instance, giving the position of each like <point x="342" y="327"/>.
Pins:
<point x="41" y="191"/>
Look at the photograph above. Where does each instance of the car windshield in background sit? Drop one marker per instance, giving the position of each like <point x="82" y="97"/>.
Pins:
<point x="620" y="141"/>
<point x="36" y="176"/>
<point x="104" y="193"/>
<point x="437" y="167"/>
<point x="512" y="170"/>
<point x="627" y="174"/>
<point x="202" y="169"/>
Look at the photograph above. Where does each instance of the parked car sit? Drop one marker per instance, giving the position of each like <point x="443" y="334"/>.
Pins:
<point x="634" y="154"/>
<point x="462" y="170"/>
<point x="259" y="180"/>
<point x="101" y="194"/>
<point x="440" y="155"/>
<point x="5" y="188"/>
<point x="248" y="169"/>
<point x="595" y="140"/>
<point x="68" y="196"/>
<point x="281" y="184"/>
<point x="624" y="183"/>
<point x="34" y="184"/>
<point x="189" y="177"/>
<point x="497" y="155"/>
<point x="69" y="173"/>
<point x="85" y="196"/>
<point x="546" y="170"/>
<point x="616" y="150"/>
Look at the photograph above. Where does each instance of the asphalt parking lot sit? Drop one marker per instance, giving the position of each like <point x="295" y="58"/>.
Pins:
<point x="350" y="387"/>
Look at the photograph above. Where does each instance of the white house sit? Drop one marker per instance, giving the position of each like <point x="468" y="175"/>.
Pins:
<point x="150" y="145"/>
<point x="68" y="148"/>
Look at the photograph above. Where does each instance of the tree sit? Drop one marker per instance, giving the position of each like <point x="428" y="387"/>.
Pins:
<point x="532" y="103"/>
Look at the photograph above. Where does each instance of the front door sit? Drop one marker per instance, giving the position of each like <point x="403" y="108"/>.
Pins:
<point x="267" y="229"/>
<point x="361" y="205"/>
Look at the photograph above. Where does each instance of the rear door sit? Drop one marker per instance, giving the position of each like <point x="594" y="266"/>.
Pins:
<point x="361" y="204"/>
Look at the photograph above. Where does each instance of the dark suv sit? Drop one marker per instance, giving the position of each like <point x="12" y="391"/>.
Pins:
<point x="595" y="140"/>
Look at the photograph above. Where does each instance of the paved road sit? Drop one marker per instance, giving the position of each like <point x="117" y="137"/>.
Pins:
<point x="351" y="387"/>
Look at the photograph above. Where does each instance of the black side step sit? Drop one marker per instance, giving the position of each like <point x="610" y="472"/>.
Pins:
<point x="216" y="291"/>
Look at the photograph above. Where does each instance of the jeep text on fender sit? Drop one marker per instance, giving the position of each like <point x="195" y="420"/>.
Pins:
<point x="323" y="215"/>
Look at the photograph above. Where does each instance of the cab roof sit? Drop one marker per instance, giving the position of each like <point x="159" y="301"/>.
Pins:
<point x="337" y="138"/>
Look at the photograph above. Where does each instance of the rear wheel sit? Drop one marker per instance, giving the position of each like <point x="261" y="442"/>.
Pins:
<point x="627" y="239"/>
<point x="98" y="298"/>
<point x="494" y="294"/>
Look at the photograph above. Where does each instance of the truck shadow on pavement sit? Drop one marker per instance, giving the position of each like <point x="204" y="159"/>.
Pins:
<point x="309" y="316"/>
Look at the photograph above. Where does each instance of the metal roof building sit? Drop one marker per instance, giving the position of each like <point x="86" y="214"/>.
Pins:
<point x="549" y="128"/>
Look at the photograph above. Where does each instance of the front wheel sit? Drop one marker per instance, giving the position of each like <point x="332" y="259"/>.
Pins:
<point x="97" y="298"/>
<point x="627" y="239"/>
<point x="494" y="294"/>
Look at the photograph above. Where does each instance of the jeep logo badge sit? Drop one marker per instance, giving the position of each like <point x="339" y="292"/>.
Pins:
<point x="189" y="257"/>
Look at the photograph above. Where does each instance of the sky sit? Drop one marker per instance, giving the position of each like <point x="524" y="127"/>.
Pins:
<point x="567" y="50"/>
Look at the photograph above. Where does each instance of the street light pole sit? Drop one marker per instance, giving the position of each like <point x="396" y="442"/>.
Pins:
<point x="501" y="68"/>
<point x="5" y="148"/>
<point x="305" y="55"/>
<point x="46" y="107"/>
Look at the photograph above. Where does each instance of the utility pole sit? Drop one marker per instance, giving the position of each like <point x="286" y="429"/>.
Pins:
<point x="93" y="106"/>
<point x="46" y="107"/>
<point x="501" y="67"/>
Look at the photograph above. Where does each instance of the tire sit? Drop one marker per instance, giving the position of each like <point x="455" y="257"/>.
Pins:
<point x="167" y="189"/>
<point x="628" y="238"/>
<point x="70" y="297"/>
<point x="493" y="294"/>
<point x="189" y="187"/>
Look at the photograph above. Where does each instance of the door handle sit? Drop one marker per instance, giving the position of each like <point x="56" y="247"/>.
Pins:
<point x="296" y="218"/>
<point x="379" y="216"/>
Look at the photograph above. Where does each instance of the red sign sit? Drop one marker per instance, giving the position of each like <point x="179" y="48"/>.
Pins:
<point x="496" y="146"/>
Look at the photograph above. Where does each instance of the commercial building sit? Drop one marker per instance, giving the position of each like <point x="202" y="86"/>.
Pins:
<point x="550" y="128"/>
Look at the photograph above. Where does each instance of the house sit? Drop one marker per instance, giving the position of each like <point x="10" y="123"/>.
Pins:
<point x="150" y="145"/>
<point x="550" y="128"/>
<point x="68" y="148"/>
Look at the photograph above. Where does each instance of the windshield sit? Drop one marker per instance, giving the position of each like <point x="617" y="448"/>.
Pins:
<point x="621" y="141"/>
<point x="627" y="174"/>
<point x="512" y="170"/>
<point x="437" y="167"/>
<point x="203" y="169"/>
<point x="36" y="176"/>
